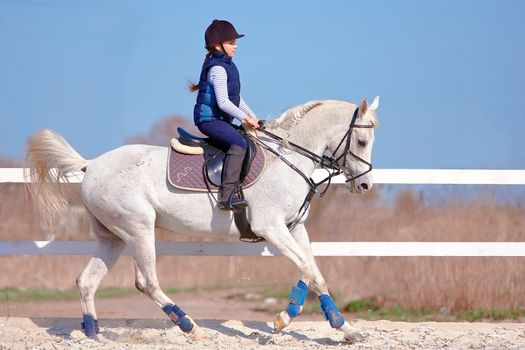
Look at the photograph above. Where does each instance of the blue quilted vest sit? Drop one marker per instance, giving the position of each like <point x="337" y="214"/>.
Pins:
<point x="206" y="108"/>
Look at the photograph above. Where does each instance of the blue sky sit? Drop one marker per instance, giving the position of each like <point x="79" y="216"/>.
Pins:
<point x="450" y="74"/>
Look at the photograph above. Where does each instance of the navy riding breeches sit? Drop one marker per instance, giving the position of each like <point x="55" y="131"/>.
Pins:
<point x="223" y="133"/>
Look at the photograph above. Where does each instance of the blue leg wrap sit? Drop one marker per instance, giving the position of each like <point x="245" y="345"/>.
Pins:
<point x="178" y="317"/>
<point x="331" y="312"/>
<point x="297" y="296"/>
<point x="90" y="326"/>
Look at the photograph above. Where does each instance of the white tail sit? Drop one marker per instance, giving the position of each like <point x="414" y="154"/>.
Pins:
<point x="50" y="158"/>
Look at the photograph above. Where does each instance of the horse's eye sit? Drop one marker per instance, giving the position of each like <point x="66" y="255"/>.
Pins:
<point x="361" y="143"/>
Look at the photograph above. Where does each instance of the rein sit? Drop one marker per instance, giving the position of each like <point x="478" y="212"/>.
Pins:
<point x="324" y="162"/>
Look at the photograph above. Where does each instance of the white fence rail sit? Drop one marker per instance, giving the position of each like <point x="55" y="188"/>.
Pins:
<point x="381" y="176"/>
<point x="172" y="248"/>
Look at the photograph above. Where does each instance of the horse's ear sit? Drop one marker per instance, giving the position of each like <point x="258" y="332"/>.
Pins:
<point x="363" y="106"/>
<point x="375" y="104"/>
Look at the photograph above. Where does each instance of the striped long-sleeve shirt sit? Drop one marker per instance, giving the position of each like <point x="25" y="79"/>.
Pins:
<point x="219" y="79"/>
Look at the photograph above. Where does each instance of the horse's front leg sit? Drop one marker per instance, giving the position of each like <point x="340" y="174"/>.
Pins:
<point x="279" y="235"/>
<point x="318" y="285"/>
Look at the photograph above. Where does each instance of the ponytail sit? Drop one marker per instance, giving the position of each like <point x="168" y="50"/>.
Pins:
<point x="192" y="86"/>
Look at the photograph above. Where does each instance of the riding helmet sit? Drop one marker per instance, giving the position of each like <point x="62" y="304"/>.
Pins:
<point x="219" y="31"/>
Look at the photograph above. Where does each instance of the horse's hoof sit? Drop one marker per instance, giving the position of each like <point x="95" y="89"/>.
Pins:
<point x="351" y="335"/>
<point x="355" y="337"/>
<point x="83" y="338"/>
<point x="281" y="320"/>
<point x="199" y="334"/>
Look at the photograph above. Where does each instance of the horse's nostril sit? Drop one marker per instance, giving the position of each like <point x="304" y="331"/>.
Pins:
<point x="364" y="187"/>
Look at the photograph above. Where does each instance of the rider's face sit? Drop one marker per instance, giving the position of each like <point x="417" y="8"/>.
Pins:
<point x="230" y="47"/>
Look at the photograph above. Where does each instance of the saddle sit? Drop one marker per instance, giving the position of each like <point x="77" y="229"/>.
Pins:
<point x="214" y="155"/>
<point x="195" y="164"/>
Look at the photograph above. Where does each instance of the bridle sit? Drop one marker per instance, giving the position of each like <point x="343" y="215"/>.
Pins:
<point x="347" y="150"/>
<point x="329" y="163"/>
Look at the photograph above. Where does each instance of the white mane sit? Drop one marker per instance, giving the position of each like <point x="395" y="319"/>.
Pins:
<point x="289" y="119"/>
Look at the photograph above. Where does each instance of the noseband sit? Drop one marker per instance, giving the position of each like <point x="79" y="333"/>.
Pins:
<point x="324" y="162"/>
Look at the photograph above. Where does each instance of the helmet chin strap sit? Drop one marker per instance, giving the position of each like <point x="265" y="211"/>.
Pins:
<point x="223" y="50"/>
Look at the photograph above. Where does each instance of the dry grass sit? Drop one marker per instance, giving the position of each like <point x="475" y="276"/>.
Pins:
<point x="454" y="282"/>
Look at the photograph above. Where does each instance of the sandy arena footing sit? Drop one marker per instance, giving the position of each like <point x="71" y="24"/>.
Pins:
<point x="64" y="333"/>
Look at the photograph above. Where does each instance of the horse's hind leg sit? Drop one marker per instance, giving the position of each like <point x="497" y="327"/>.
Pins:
<point x="109" y="248"/>
<point x="140" y="281"/>
<point x="143" y="250"/>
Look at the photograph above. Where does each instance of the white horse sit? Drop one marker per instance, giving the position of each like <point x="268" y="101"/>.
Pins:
<point x="127" y="195"/>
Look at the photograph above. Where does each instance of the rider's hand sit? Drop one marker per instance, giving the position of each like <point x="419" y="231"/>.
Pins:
<point x="252" y="122"/>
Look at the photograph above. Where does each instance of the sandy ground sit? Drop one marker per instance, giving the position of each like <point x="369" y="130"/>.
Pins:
<point x="231" y="322"/>
<point x="57" y="333"/>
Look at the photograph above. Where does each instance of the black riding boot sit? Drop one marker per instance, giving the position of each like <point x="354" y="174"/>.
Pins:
<point x="228" y="194"/>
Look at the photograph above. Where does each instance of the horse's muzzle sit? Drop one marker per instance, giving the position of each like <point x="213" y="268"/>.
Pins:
<point x="360" y="185"/>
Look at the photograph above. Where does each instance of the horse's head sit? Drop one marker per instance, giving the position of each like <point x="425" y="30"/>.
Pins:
<point x="354" y="151"/>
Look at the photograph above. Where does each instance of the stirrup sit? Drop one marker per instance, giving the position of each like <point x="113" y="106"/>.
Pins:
<point x="235" y="202"/>
<point x="241" y="204"/>
<point x="232" y="205"/>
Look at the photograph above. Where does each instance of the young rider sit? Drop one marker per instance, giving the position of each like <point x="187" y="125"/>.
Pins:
<point x="219" y="101"/>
